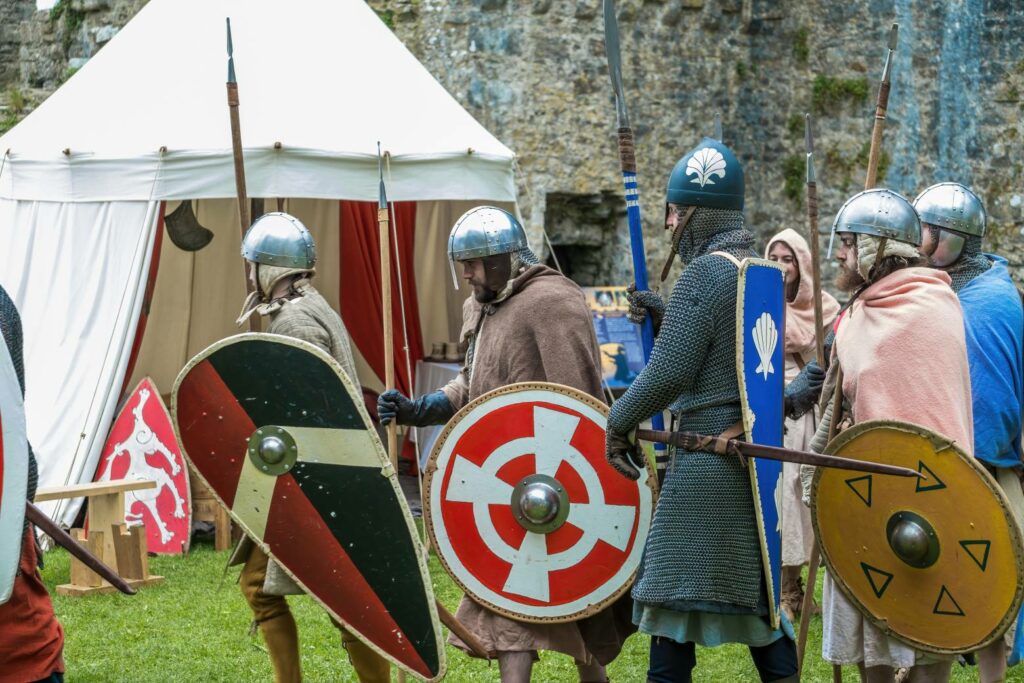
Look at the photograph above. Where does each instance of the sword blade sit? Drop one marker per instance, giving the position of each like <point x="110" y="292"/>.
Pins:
<point x="692" y="441"/>
<point x="63" y="539"/>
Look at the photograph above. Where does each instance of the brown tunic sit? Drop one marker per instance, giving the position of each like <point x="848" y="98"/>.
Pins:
<point x="542" y="332"/>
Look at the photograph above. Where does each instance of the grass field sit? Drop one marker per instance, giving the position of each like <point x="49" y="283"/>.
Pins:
<point x="194" y="627"/>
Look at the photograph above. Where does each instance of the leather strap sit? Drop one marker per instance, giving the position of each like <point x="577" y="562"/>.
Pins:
<point x="725" y="254"/>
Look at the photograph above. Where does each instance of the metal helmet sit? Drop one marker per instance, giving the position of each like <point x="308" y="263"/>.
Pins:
<point x="880" y="213"/>
<point x="279" y="239"/>
<point x="957" y="213"/>
<point x="484" y="231"/>
<point x="708" y="175"/>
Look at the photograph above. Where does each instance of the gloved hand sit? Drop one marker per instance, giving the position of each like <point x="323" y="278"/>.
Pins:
<point x="802" y="393"/>
<point x="621" y="453"/>
<point x="431" y="409"/>
<point x="643" y="303"/>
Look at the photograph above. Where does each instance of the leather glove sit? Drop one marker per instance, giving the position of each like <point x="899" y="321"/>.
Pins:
<point x="802" y="393"/>
<point x="642" y="303"/>
<point x="431" y="409"/>
<point x="621" y="454"/>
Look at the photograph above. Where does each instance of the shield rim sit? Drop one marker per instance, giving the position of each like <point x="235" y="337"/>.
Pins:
<point x="15" y="475"/>
<point x="386" y="468"/>
<point x="428" y="516"/>
<point x="774" y="612"/>
<point x="1016" y="535"/>
<point x="187" y="494"/>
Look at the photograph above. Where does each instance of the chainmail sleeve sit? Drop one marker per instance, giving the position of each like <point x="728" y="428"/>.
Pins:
<point x="680" y="347"/>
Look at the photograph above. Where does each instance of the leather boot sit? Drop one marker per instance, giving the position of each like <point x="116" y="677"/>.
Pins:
<point x="369" y="666"/>
<point x="282" y="640"/>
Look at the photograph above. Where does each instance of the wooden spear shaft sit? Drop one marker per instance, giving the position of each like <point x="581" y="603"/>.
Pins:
<point x="383" y="222"/>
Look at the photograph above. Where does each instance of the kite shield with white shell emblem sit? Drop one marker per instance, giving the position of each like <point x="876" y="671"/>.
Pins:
<point x="525" y="513"/>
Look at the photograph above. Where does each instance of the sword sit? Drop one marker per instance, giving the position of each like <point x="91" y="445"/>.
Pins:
<point x="692" y="441"/>
<point x="627" y="162"/>
<point x="63" y="539"/>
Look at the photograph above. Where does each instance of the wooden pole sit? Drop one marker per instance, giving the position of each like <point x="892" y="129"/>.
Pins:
<point x="236" y="150"/>
<point x="383" y="221"/>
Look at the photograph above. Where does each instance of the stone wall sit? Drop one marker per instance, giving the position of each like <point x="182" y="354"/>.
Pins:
<point x="534" y="72"/>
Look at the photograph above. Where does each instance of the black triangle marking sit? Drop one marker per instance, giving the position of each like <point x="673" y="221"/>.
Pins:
<point x="932" y="483"/>
<point x="862" y="487"/>
<point x="986" y="546"/>
<point x="878" y="578"/>
<point x="949" y="606"/>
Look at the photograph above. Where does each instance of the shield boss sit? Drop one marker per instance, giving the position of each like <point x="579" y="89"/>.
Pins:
<point x="935" y="562"/>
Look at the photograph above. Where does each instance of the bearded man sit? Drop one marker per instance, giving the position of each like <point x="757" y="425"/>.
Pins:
<point x="32" y="639"/>
<point x="524" y="323"/>
<point x="789" y="249"/>
<point x="701" y="580"/>
<point x="281" y="261"/>
<point x="953" y="222"/>
<point x="899" y="307"/>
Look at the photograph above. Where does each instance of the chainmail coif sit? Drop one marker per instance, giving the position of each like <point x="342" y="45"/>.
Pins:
<point x="703" y="551"/>
<point x="971" y="264"/>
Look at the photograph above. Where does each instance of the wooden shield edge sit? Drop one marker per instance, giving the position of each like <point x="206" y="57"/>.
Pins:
<point x="431" y="468"/>
<point x="1017" y="536"/>
<point x="748" y="427"/>
<point x="187" y="495"/>
<point x="15" y="475"/>
<point x="392" y="477"/>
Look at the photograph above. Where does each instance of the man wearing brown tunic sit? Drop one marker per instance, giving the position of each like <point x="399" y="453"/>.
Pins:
<point x="524" y="323"/>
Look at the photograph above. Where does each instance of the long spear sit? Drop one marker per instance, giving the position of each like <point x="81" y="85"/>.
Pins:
<point x="236" y="148"/>
<point x="819" y="340"/>
<point x="627" y="161"/>
<point x="383" y="221"/>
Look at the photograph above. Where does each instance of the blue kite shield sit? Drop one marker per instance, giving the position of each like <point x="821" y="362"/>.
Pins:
<point x="760" y="368"/>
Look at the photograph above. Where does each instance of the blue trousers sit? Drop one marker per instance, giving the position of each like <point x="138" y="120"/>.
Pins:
<point x="673" y="662"/>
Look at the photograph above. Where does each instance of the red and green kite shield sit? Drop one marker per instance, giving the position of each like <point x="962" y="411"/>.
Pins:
<point x="280" y="435"/>
<point x="13" y="472"/>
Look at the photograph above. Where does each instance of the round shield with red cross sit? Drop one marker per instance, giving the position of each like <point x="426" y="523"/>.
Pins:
<point x="525" y="513"/>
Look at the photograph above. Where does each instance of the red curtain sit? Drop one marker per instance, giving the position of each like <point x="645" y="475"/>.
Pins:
<point x="361" y="305"/>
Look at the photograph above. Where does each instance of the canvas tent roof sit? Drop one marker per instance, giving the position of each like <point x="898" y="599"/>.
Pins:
<point x="321" y="79"/>
<point x="325" y="78"/>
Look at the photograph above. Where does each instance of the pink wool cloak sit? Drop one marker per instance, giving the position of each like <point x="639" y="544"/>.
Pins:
<point x="904" y="355"/>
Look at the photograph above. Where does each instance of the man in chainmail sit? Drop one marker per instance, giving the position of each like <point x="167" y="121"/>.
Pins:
<point x="953" y="223"/>
<point x="524" y="323"/>
<point x="31" y="638"/>
<point x="282" y="260"/>
<point x="898" y="307"/>
<point x="701" y="578"/>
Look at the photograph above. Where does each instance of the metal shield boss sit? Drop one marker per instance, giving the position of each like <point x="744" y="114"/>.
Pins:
<point x="524" y="511"/>
<point x="13" y="472"/>
<point x="760" y="368"/>
<point x="935" y="562"/>
<point x="274" y="427"/>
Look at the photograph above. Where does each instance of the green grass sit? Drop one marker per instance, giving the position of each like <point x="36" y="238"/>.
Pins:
<point x="194" y="627"/>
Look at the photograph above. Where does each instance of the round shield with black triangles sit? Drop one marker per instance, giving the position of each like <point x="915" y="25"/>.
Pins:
<point x="274" y="427"/>
<point x="936" y="562"/>
<point x="13" y="472"/>
<point x="524" y="511"/>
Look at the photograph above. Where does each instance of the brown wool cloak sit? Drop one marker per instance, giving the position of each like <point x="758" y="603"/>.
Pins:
<point x="543" y="332"/>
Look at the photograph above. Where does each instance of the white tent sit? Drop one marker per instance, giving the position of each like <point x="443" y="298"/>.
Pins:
<point x="85" y="177"/>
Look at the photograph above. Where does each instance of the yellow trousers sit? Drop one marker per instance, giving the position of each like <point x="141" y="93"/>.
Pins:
<point x="275" y="620"/>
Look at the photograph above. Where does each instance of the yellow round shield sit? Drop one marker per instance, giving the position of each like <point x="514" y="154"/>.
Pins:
<point x="937" y="562"/>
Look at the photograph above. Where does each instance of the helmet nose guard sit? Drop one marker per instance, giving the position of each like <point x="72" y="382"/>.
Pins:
<point x="880" y="213"/>
<point x="709" y="175"/>
<point x="279" y="239"/>
<point x="484" y="231"/>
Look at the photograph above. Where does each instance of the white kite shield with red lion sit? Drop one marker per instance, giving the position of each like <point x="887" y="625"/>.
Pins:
<point x="523" y="510"/>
